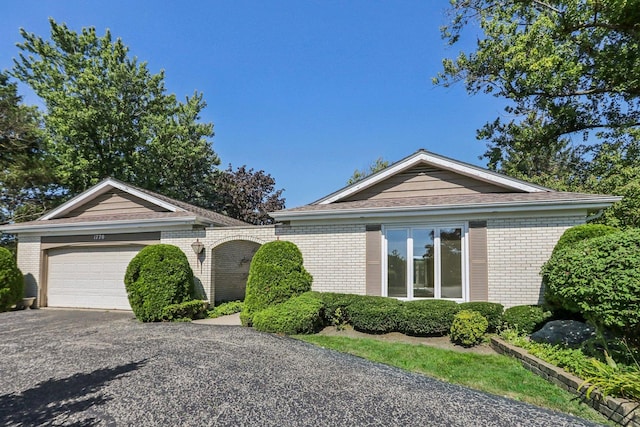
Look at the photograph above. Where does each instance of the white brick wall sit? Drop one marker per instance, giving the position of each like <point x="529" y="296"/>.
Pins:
<point x="29" y="264"/>
<point x="517" y="248"/>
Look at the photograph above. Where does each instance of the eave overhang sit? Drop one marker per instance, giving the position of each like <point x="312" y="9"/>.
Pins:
<point x="457" y="209"/>
<point x="106" y="226"/>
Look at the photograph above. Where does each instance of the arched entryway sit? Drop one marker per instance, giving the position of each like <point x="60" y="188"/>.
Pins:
<point x="230" y="262"/>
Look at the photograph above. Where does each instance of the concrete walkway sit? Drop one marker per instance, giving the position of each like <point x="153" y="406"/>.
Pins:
<point x="230" y="320"/>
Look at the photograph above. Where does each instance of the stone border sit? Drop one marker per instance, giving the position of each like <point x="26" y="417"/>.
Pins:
<point x="621" y="411"/>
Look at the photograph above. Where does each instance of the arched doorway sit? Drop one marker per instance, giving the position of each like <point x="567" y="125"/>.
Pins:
<point x="230" y="271"/>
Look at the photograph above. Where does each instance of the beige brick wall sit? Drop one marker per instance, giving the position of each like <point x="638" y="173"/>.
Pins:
<point x="29" y="264"/>
<point x="517" y="248"/>
<point x="333" y="254"/>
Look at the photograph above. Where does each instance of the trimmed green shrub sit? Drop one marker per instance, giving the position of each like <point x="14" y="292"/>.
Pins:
<point x="225" y="309"/>
<point x="375" y="315"/>
<point x="301" y="314"/>
<point x="336" y="301"/>
<point x="194" y="309"/>
<point x="427" y="317"/>
<point x="492" y="311"/>
<point x="525" y="318"/>
<point x="11" y="281"/>
<point x="158" y="276"/>
<point x="599" y="278"/>
<point x="468" y="328"/>
<point x="583" y="232"/>
<point x="276" y="274"/>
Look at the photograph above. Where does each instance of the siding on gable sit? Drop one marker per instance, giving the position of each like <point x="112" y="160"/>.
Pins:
<point x="425" y="181"/>
<point x="114" y="201"/>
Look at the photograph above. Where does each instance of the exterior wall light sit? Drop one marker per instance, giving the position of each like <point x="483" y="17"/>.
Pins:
<point x="197" y="247"/>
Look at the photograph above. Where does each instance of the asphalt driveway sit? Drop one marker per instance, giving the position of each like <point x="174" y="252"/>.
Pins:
<point x="87" y="368"/>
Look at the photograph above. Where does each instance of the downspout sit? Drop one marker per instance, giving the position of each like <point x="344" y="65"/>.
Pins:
<point x="595" y="216"/>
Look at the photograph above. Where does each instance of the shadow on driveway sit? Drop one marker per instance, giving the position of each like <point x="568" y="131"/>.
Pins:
<point x="52" y="402"/>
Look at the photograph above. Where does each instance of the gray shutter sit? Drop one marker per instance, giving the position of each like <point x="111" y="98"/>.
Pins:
<point x="373" y="276"/>
<point x="478" y="268"/>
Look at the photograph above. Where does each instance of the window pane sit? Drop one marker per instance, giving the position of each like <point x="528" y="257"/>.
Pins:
<point x="397" y="263"/>
<point x="451" y="262"/>
<point x="423" y="277"/>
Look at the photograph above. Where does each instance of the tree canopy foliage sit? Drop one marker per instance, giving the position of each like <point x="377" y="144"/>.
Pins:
<point x="570" y="70"/>
<point x="247" y="195"/>
<point x="26" y="182"/>
<point x="108" y="115"/>
<point x="360" y="174"/>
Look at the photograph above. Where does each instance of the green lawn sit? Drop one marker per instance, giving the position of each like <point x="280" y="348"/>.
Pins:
<point x="500" y="375"/>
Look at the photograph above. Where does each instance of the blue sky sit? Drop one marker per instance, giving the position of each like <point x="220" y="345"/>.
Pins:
<point x="306" y="90"/>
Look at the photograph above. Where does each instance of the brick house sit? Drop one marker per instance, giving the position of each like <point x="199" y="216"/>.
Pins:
<point x="425" y="227"/>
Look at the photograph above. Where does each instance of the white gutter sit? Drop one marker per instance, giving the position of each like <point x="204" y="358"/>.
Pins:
<point x="599" y="203"/>
<point x="103" y="225"/>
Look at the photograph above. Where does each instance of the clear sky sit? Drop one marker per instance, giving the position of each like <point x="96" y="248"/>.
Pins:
<point x="308" y="91"/>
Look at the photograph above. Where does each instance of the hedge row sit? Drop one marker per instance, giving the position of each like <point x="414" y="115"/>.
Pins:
<point x="376" y="315"/>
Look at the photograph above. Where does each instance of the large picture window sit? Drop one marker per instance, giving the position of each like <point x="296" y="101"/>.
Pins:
<point x="425" y="262"/>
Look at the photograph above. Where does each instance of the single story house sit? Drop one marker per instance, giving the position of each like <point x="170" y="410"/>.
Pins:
<point x="425" y="227"/>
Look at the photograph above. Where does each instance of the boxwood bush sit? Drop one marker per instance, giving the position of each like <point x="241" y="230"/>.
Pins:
<point x="525" y="318"/>
<point x="11" y="281"/>
<point x="427" y="317"/>
<point x="468" y="328"/>
<point x="225" y="309"/>
<point x="375" y="315"/>
<point x="194" y="309"/>
<point x="276" y="274"/>
<point x="334" y="301"/>
<point x="492" y="311"/>
<point x="157" y="277"/>
<point x="301" y="314"/>
<point x="599" y="278"/>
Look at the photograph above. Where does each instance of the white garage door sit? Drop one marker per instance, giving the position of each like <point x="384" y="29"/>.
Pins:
<point x="89" y="277"/>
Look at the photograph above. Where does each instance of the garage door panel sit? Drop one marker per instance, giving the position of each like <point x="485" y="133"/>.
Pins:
<point x="89" y="277"/>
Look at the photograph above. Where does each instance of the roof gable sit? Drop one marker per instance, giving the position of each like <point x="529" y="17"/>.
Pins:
<point x="424" y="173"/>
<point x="110" y="195"/>
<point x="113" y="198"/>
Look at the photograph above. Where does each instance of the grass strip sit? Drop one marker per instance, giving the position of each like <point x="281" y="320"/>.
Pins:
<point x="495" y="374"/>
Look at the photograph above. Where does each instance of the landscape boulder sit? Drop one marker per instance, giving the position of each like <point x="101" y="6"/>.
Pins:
<point x="567" y="332"/>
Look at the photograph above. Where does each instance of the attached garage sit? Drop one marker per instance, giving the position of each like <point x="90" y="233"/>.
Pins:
<point x="89" y="277"/>
<point x="76" y="255"/>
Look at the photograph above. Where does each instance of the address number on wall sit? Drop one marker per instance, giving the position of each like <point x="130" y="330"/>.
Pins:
<point x="98" y="237"/>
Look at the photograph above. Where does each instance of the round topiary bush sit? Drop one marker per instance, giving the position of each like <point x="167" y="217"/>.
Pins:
<point x="276" y="274"/>
<point x="427" y="317"/>
<point x="491" y="311"/>
<point x="158" y="276"/>
<point x="468" y="328"/>
<point x="599" y="278"/>
<point x="298" y="315"/>
<point x="525" y="318"/>
<point x="11" y="281"/>
<point x="582" y="232"/>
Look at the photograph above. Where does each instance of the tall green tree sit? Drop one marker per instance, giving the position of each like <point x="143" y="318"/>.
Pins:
<point x="27" y="188"/>
<point x="108" y="115"/>
<point x="570" y="72"/>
